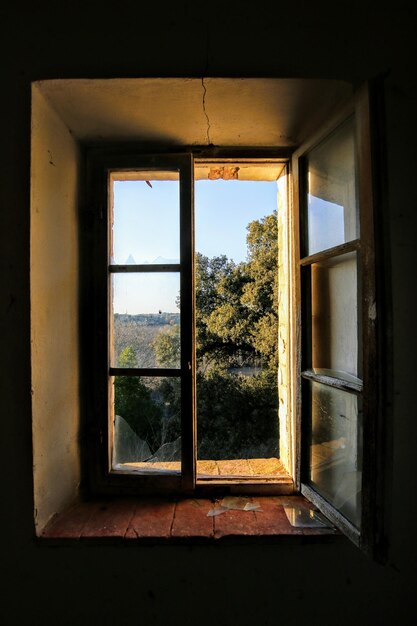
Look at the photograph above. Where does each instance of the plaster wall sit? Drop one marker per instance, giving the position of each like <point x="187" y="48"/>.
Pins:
<point x="54" y="311"/>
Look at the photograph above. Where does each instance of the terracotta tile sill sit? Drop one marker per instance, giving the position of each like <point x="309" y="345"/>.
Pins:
<point x="157" y="521"/>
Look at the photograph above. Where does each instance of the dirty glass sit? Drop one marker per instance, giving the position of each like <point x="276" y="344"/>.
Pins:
<point x="145" y="320"/>
<point x="147" y="423"/>
<point x="145" y="219"/>
<point x="334" y="297"/>
<point x="331" y="191"/>
<point x="336" y="448"/>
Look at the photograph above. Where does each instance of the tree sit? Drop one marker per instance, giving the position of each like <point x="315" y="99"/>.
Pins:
<point x="237" y="416"/>
<point x="133" y="401"/>
<point x="261" y="292"/>
<point x="237" y="304"/>
<point x="218" y="290"/>
<point x="167" y="347"/>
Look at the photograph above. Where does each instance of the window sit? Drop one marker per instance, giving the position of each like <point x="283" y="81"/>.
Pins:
<point x="338" y="370"/>
<point x="328" y="427"/>
<point x="187" y="403"/>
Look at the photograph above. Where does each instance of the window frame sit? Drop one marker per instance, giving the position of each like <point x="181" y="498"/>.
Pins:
<point x="100" y="163"/>
<point x="369" y="537"/>
<point x="95" y="276"/>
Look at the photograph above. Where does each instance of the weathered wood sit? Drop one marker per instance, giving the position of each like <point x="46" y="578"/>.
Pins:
<point x="371" y="523"/>
<point x="344" y="248"/>
<point x="332" y="514"/>
<point x="365" y="246"/>
<point x="295" y="321"/>
<point x="188" y="350"/>
<point x="97" y="378"/>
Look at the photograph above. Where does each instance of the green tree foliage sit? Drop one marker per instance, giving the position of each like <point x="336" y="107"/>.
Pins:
<point x="218" y="291"/>
<point x="133" y="401"/>
<point x="237" y="416"/>
<point x="237" y="304"/>
<point x="260" y="294"/>
<point x="167" y="347"/>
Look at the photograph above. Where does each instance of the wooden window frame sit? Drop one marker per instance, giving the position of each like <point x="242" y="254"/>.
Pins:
<point x="369" y="536"/>
<point x="95" y="364"/>
<point x="101" y="163"/>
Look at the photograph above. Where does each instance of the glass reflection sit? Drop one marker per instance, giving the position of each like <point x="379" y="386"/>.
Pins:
<point x="147" y="423"/>
<point x="336" y="448"/>
<point x="334" y="298"/>
<point x="331" y="186"/>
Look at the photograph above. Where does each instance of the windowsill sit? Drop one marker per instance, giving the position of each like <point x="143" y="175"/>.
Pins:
<point x="256" y="470"/>
<point x="151" y="520"/>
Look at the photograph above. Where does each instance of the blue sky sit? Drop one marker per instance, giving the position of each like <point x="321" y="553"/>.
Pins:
<point x="146" y="227"/>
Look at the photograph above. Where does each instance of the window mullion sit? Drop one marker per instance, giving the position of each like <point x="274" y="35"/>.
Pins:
<point x="188" y="366"/>
<point x="144" y="371"/>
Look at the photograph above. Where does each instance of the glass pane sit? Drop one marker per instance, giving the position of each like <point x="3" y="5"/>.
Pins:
<point x="334" y="295"/>
<point x="146" y="320"/>
<point x="336" y="449"/>
<point x="145" y="226"/>
<point x="147" y="424"/>
<point x="237" y="327"/>
<point x="332" y="203"/>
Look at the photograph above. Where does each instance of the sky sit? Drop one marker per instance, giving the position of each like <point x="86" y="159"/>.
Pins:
<point x="146" y="230"/>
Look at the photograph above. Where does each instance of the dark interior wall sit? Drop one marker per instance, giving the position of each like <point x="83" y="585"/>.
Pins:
<point x="326" y="584"/>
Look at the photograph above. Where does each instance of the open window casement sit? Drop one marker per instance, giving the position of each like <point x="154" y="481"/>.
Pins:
<point x="335" y="294"/>
<point x="114" y="378"/>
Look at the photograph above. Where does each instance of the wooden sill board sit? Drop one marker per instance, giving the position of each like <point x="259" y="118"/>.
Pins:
<point x="151" y="520"/>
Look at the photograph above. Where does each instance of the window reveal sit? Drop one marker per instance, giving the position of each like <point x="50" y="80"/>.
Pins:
<point x="330" y="397"/>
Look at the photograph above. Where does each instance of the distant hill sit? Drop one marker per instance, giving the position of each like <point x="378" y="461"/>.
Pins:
<point x="147" y="319"/>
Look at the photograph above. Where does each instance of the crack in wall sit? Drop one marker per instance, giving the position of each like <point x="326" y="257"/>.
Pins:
<point x="205" y="112"/>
